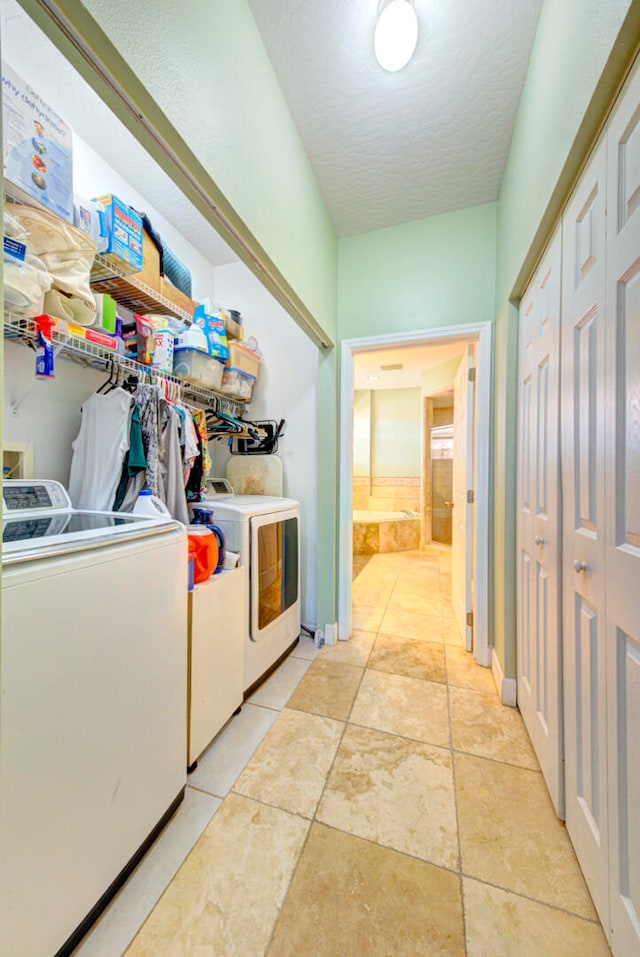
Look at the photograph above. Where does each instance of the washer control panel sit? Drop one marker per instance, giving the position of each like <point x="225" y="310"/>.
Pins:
<point x="22" y="495"/>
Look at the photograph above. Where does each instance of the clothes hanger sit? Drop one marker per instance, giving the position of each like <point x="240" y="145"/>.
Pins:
<point x="104" y="388"/>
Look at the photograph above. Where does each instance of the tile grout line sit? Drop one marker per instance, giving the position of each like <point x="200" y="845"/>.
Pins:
<point x="455" y="804"/>
<point x="533" y="900"/>
<point x="311" y="820"/>
<point x="218" y="797"/>
<point x="388" y="847"/>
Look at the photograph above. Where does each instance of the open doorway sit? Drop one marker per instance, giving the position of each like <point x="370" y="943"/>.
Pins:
<point x="414" y="479"/>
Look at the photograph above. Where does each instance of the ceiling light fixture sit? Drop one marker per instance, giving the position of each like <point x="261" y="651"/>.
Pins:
<point x="373" y="378"/>
<point x="396" y="34"/>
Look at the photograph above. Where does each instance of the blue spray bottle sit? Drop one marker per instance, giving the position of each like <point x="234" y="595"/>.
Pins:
<point x="44" y="349"/>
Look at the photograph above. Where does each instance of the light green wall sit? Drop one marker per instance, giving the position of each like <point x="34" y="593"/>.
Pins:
<point x="440" y="377"/>
<point x="387" y="432"/>
<point x="432" y="272"/>
<point x="202" y="71"/>
<point x="206" y="67"/>
<point x="429" y="273"/>
<point x="396" y="432"/>
<point x="362" y="432"/>
<point x="573" y="41"/>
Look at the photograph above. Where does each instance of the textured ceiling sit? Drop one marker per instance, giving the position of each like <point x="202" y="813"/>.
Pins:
<point x="387" y="148"/>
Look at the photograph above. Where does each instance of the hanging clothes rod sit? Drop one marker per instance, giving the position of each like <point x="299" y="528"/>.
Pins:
<point x="24" y="330"/>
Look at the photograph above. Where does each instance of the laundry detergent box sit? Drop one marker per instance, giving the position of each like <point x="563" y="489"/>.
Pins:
<point x="37" y="146"/>
<point x="212" y="324"/>
<point x="124" y="229"/>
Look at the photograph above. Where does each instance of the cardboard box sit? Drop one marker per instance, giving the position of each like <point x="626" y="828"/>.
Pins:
<point x="150" y="272"/>
<point x="37" y="151"/>
<point x="242" y="358"/>
<point x="124" y="228"/>
<point x="176" y="297"/>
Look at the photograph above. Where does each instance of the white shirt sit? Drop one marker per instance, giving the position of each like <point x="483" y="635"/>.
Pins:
<point x="99" y="450"/>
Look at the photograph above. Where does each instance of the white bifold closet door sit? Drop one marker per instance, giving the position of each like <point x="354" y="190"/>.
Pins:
<point x="584" y="334"/>
<point x="601" y="487"/>
<point x="538" y="521"/>
<point x="622" y="535"/>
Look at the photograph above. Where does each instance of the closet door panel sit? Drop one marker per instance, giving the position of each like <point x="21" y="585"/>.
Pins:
<point x="525" y="493"/>
<point x="623" y="517"/>
<point x="583" y="471"/>
<point x="588" y="709"/>
<point x="539" y="540"/>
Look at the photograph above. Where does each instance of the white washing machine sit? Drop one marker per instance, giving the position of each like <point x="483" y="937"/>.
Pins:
<point x="265" y="531"/>
<point x="92" y="707"/>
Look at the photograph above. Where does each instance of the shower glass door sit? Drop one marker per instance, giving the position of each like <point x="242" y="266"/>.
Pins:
<point x="441" y="484"/>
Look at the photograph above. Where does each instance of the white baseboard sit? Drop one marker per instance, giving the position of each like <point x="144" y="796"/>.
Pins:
<point x="331" y="633"/>
<point x="506" y="686"/>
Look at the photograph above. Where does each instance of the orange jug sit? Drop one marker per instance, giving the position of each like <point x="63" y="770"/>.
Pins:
<point x="205" y="544"/>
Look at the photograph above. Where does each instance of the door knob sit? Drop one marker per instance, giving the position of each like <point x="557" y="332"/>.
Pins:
<point x="448" y="504"/>
<point x="539" y="540"/>
<point x="580" y="566"/>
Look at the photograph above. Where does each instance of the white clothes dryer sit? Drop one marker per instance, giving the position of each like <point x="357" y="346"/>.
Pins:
<point x="265" y="531"/>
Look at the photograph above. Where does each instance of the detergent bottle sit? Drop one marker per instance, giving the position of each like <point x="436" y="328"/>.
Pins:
<point x="206" y="517"/>
<point x="203" y="542"/>
<point x="149" y="504"/>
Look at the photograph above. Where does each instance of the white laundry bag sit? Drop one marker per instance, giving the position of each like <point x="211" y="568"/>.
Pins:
<point x="68" y="255"/>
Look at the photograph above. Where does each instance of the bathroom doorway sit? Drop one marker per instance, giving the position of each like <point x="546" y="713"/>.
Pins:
<point x="398" y="496"/>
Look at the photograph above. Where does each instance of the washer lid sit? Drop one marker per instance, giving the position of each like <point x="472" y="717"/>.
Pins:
<point x="28" y="535"/>
<point x="37" y="517"/>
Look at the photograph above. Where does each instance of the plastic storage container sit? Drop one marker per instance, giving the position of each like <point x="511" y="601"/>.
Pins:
<point x="243" y="359"/>
<point x="197" y="366"/>
<point x="238" y="383"/>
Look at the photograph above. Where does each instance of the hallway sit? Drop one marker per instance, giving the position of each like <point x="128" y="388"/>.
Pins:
<point x="392" y="809"/>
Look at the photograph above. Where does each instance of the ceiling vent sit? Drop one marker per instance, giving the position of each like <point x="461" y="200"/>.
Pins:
<point x="395" y="367"/>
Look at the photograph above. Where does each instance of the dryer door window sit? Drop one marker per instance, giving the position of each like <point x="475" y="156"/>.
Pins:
<point x="275" y="579"/>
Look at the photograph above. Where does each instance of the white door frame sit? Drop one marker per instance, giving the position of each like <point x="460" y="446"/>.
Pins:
<point x="482" y="332"/>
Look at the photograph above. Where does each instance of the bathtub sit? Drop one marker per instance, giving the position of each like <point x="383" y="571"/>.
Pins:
<point x="378" y="531"/>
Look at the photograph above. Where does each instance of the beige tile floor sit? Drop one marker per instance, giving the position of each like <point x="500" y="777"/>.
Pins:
<point x="374" y="799"/>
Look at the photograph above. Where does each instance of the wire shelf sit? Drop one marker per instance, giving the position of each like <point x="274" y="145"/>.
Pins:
<point x="107" y="277"/>
<point x="67" y="346"/>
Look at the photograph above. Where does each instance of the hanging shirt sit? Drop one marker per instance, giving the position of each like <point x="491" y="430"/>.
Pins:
<point x="200" y="421"/>
<point x="193" y="485"/>
<point x="191" y="446"/>
<point x="135" y="461"/>
<point x="99" y="450"/>
<point x="170" y="464"/>
<point x="148" y="399"/>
